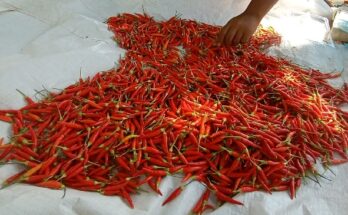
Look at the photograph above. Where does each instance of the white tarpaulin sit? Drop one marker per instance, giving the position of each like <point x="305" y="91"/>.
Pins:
<point x="47" y="43"/>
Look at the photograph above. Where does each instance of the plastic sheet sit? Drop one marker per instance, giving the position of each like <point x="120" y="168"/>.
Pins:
<point x="47" y="44"/>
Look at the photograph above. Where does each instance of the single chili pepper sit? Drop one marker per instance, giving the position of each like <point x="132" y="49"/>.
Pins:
<point x="4" y="153"/>
<point x="127" y="197"/>
<point x="173" y="195"/>
<point x="292" y="188"/>
<point x="116" y="187"/>
<point x="71" y="125"/>
<point x="223" y="197"/>
<point x="54" y="170"/>
<point x="155" y="172"/>
<point x="246" y="189"/>
<point x="190" y="169"/>
<point x="32" y="171"/>
<point x="35" y="178"/>
<point x="51" y="184"/>
<point x="338" y="161"/>
<point x="74" y="171"/>
<point x="152" y="150"/>
<point x="13" y="179"/>
<point x="281" y="188"/>
<point x="46" y="164"/>
<point x="175" y="169"/>
<point x="5" y="118"/>
<point x="154" y="187"/>
<point x="201" y="202"/>
<point x="158" y="162"/>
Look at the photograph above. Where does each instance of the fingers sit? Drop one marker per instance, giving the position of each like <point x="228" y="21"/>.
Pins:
<point x="222" y="34"/>
<point x="230" y="35"/>
<point x="237" y="38"/>
<point x="245" y="38"/>
<point x="237" y="30"/>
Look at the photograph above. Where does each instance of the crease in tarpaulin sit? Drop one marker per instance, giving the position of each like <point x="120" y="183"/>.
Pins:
<point x="5" y="8"/>
<point x="87" y="7"/>
<point x="27" y="13"/>
<point x="306" y="50"/>
<point x="104" y="9"/>
<point x="306" y="210"/>
<point x="19" y="10"/>
<point x="95" y="37"/>
<point x="136" y="6"/>
<point x="327" y="39"/>
<point x="83" y="206"/>
<point x="297" y="26"/>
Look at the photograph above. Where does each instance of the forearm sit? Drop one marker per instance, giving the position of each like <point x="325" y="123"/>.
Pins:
<point x="259" y="8"/>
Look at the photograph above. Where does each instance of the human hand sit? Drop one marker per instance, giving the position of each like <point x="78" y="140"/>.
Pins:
<point x="238" y="30"/>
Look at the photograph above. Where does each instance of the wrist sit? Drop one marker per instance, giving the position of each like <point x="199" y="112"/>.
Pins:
<point x="256" y="15"/>
<point x="252" y="14"/>
<point x="259" y="8"/>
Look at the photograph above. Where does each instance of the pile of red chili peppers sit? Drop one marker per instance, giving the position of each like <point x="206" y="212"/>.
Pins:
<point x="232" y="118"/>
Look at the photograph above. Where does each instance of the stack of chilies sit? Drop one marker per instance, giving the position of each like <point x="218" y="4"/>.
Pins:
<point x="234" y="119"/>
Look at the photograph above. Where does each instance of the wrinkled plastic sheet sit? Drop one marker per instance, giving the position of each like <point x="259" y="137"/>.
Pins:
<point x="46" y="44"/>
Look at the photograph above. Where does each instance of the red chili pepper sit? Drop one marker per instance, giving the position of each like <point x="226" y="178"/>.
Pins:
<point x="13" y="179"/>
<point x="155" y="172"/>
<point x="127" y="197"/>
<point x="223" y="197"/>
<point x="154" y="186"/>
<point x="159" y="162"/>
<point x="199" y="207"/>
<point x="7" y="149"/>
<point x="173" y="195"/>
<point x="71" y="125"/>
<point x="51" y="184"/>
<point x="165" y="142"/>
<point x="115" y="187"/>
<point x="35" y="178"/>
<point x="292" y="188"/>
<point x="5" y="118"/>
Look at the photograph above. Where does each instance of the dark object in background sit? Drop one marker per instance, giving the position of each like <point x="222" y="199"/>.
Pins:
<point x="336" y="3"/>
<point x="339" y="30"/>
